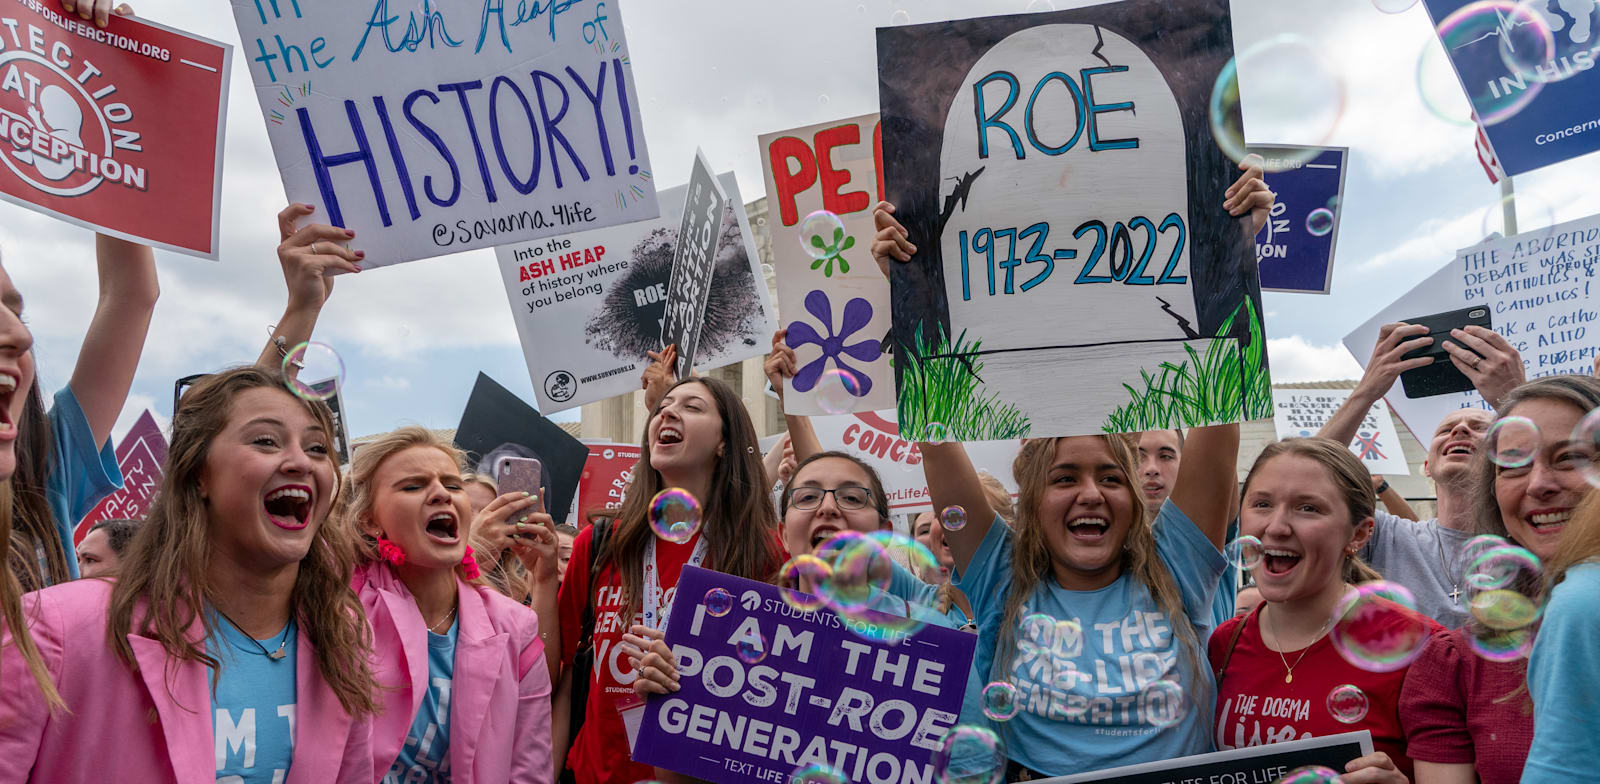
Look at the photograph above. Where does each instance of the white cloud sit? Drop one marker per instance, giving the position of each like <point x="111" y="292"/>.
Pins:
<point x="1294" y="359"/>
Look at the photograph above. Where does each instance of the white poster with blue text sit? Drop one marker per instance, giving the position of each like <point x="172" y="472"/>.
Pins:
<point x="442" y="126"/>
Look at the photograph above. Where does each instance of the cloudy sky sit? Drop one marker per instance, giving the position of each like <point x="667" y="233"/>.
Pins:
<point x="715" y="74"/>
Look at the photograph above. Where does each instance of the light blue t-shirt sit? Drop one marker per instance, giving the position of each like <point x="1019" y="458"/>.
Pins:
<point x="82" y="473"/>
<point x="1564" y="679"/>
<point x="252" y="716"/>
<point x="426" y="755"/>
<point x="1087" y="697"/>
<point x="923" y="599"/>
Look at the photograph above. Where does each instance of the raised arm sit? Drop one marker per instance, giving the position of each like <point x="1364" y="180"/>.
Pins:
<point x="111" y="347"/>
<point x="1208" y="479"/>
<point x="1386" y="365"/>
<point x="310" y="257"/>
<point x="780" y="366"/>
<point x="657" y="378"/>
<point x="1491" y="363"/>
<point x="953" y="481"/>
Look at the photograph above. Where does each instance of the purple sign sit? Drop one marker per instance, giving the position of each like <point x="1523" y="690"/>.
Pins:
<point x="820" y="689"/>
<point x="1294" y="251"/>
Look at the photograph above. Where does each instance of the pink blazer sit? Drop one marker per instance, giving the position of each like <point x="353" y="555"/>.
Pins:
<point x="153" y="725"/>
<point x="500" y="704"/>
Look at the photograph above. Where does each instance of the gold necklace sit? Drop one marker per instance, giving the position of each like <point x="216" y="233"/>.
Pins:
<point x="1288" y="676"/>
<point x="448" y="617"/>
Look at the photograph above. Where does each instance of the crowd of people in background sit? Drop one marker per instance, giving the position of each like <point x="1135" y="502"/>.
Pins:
<point x="278" y="617"/>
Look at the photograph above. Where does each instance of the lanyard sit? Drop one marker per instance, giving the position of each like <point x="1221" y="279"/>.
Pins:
<point x="652" y="583"/>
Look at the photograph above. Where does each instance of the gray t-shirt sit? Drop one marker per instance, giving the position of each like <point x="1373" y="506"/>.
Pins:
<point x="1425" y="557"/>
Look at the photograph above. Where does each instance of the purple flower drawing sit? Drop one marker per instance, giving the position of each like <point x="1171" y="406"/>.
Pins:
<point x="857" y="314"/>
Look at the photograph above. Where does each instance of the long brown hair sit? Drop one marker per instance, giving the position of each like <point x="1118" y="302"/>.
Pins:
<point x="33" y="525"/>
<point x="1031" y="553"/>
<point x="360" y="547"/>
<point x="1580" y="542"/>
<point x="164" y="578"/>
<point x="11" y="609"/>
<point x="1349" y="476"/>
<point x="1581" y="392"/>
<point x="737" y="516"/>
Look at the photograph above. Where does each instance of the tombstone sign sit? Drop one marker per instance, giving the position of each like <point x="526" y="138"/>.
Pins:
<point x="694" y="259"/>
<point x="1056" y="172"/>
<point x="442" y="126"/>
<point x="140" y="456"/>
<point x="1303" y="412"/>
<point x="1295" y="249"/>
<point x="1528" y="69"/>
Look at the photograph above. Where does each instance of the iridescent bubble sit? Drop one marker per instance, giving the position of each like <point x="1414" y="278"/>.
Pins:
<point x="1502" y="646"/>
<point x="862" y="598"/>
<point x="1512" y="442"/>
<point x="1586" y="440"/>
<point x="954" y="518"/>
<point x="1393" y="6"/>
<point x="1377" y="627"/>
<point x="1501" y="567"/>
<point x="1038" y="628"/>
<point x="1504" y="610"/>
<point x="823" y="99"/>
<point x="838" y="391"/>
<point x="1503" y="595"/>
<point x="1294" y="96"/>
<point x="752" y="650"/>
<point x="1439" y="88"/>
<point x="1531" y="49"/>
<point x="1320" y="222"/>
<point x="1000" y="701"/>
<point x="861" y="569"/>
<point x="1163" y="703"/>
<point x="798" y="581"/>
<point x="1495" y="100"/>
<point x="1478" y="545"/>
<point x="821" y="234"/>
<point x="675" y="515"/>
<point x="314" y="371"/>
<point x="936" y="433"/>
<point x="1347" y="704"/>
<point x="900" y="17"/>
<point x="1530" y="215"/>
<point x="767" y="271"/>
<point x="1245" y="552"/>
<point x="1311" y="774"/>
<point x="718" y="602"/>
<point x="970" y="755"/>
<point x="817" y="774"/>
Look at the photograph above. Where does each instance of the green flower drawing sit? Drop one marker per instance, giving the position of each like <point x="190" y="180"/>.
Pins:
<point x="832" y="252"/>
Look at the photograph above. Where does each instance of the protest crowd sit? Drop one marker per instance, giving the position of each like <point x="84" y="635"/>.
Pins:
<point x="424" y="611"/>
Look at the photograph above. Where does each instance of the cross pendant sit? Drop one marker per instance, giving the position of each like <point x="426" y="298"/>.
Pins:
<point x="1455" y="594"/>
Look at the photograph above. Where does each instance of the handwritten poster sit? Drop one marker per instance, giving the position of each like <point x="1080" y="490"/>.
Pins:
<point x="1528" y="68"/>
<point x="606" y="475"/>
<point x="693" y="263"/>
<point x="1302" y="412"/>
<point x="874" y="437"/>
<point x="1540" y="287"/>
<point x="1056" y="172"/>
<point x="87" y="131"/>
<point x="1295" y="248"/>
<point x="826" y="691"/>
<point x="823" y="182"/>
<point x="441" y="126"/>
<point x="140" y="456"/>
<point x="589" y="305"/>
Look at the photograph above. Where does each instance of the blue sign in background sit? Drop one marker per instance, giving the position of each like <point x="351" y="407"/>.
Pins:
<point x="857" y="697"/>
<point x="1292" y="258"/>
<point x="1531" y="121"/>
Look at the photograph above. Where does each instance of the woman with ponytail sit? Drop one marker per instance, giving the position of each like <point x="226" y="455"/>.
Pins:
<point x="1310" y="502"/>
<point x="465" y="683"/>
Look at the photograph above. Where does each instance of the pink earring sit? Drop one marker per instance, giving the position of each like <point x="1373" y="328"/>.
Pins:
<point x="391" y="552"/>
<point x="469" y="567"/>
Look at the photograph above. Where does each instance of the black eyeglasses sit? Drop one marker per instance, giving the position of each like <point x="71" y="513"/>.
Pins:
<point x="850" y="497"/>
<point x="183" y="385"/>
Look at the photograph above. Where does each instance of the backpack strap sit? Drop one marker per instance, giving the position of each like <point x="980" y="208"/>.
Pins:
<point x="1233" y="642"/>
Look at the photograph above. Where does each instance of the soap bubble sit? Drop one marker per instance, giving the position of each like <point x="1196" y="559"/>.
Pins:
<point x="798" y="581"/>
<point x="1311" y="774"/>
<point x="1439" y="88"/>
<point x="900" y="17"/>
<point x="1320" y="222"/>
<point x="1295" y="96"/>
<point x="838" y="391"/>
<point x="860" y="569"/>
<point x="1512" y="442"/>
<point x="1163" y="702"/>
<point x="752" y="650"/>
<point x="1347" y="704"/>
<point x="954" y="518"/>
<point x="1245" y="552"/>
<point x="1530" y="46"/>
<point x="1377" y="627"/>
<point x="1000" y="701"/>
<point x="1503" y="586"/>
<point x="936" y="433"/>
<point x="970" y="755"/>
<point x="314" y="371"/>
<point x="817" y="774"/>
<point x="1501" y="646"/>
<point x="1393" y="6"/>
<point x="718" y="602"/>
<point x="675" y="515"/>
<point x="821" y="234"/>
<point x="1586" y="440"/>
<point x="1496" y="99"/>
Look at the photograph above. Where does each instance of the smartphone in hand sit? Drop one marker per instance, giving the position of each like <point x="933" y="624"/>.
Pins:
<point x="1441" y="377"/>
<point x="518" y="475"/>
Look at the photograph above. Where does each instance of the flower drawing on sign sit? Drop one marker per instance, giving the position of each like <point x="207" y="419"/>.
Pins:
<point x="857" y="314"/>
<point x="829" y="252"/>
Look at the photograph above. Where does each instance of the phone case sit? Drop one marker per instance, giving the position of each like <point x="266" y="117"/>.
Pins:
<point x="1441" y="377"/>
<point x="519" y="475"/>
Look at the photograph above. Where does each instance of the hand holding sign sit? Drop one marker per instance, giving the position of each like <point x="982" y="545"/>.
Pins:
<point x="892" y="240"/>
<point x="781" y="363"/>
<point x="658" y="377"/>
<point x="312" y="255"/>
<point x="1249" y="194"/>
<point x="652" y="658"/>
<point x="1388" y="359"/>
<point x="99" y="10"/>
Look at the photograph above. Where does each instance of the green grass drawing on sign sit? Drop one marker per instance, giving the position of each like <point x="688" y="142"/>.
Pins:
<point x="940" y="384"/>
<point x="1211" y="387"/>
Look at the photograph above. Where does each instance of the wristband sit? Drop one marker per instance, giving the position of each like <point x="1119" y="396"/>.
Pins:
<point x="1381" y="488"/>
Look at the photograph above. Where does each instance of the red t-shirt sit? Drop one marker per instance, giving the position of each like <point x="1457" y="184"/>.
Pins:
<point x="1458" y="707"/>
<point x="1255" y="707"/>
<point x="599" y="755"/>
